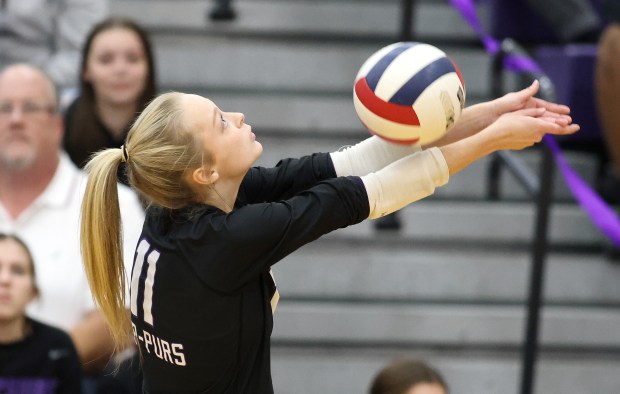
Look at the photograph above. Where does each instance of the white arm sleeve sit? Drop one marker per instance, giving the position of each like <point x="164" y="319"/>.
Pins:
<point x="405" y="181"/>
<point x="368" y="156"/>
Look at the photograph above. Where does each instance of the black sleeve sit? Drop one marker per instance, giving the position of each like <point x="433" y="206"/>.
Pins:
<point x="250" y="239"/>
<point x="287" y="178"/>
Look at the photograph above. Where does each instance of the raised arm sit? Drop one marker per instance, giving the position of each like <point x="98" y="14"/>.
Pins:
<point x="416" y="176"/>
<point x="373" y="153"/>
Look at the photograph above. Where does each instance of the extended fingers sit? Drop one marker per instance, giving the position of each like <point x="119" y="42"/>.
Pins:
<point x="553" y="107"/>
<point x="568" y="129"/>
<point x="561" y="120"/>
<point x="554" y="127"/>
<point x="534" y="112"/>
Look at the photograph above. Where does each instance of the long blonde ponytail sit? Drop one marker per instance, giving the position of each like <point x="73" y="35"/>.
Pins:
<point x="159" y="150"/>
<point x="102" y="242"/>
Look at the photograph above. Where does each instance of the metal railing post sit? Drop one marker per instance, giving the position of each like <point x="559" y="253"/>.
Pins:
<point x="537" y="273"/>
<point x="497" y="90"/>
<point x="406" y="21"/>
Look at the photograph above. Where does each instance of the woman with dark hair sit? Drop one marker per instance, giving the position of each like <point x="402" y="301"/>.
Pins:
<point x="407" y="376"/>
<point x="117" y="80"/>
<point x="34" y="357"/>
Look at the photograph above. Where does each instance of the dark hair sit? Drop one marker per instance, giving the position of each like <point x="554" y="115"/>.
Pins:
<point x="83" y="113"/>
<point x="401" y="375"/>
<point x="16" y="239"/>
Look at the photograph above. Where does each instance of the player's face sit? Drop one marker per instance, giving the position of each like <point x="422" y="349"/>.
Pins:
<point x="16" y="281"/>
<point x="228" y="140"/>
<point x="426" y="388"/>
<point x="117" y="67"/>
<point x="29" y="127"/>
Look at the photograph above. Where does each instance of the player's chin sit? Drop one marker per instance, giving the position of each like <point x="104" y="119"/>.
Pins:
<point x="258" y="148"/>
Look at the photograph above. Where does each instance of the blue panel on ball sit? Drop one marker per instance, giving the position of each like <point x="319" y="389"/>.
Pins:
<point x="373" y="76"/>
<point x="411" y="90"/>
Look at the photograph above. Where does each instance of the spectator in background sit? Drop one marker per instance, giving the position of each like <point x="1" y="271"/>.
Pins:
<point x="580" y="21"/>
<point x="34" y="357"/>
<point x="40" y="201"/>
<point x="48" y="34"/>
<point x="407" y="376"/>
<point x="117" y="80"/>
<point x="570" y="20"/>
<point x="607" y="82"/>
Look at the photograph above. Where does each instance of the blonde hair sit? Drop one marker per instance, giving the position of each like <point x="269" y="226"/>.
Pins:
<point x="160" y="150"/>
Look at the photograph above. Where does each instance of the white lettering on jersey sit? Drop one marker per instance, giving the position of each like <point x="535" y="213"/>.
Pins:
<point x="135" y="277"/>
<point x="177" y="350"/>
<point x="148" y="286"/>
<point x="169" y="352"/>
<point x="164" y="350"/>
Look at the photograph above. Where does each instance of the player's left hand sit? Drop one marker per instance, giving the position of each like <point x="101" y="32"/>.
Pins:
<point x="525" y="127"/>
<point x="524" y="99"/>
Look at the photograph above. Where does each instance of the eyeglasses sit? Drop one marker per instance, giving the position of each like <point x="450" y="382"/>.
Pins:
<point x="27" y="109"/>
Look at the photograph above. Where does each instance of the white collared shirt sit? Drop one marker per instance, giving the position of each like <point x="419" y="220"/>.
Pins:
<point x="50" y="228"/>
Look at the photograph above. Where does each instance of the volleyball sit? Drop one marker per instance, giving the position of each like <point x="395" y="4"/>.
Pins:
<point x="409" y="92"/>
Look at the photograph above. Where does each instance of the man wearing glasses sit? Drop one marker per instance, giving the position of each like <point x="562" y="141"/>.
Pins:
<point x="40" y="196"/>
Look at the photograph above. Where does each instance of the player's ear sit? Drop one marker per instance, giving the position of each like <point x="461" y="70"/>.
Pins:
<point x="205" y="176"/>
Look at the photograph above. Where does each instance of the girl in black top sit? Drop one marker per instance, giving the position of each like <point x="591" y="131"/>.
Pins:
<point x="202" y="294"/>
<point x="117" y="80"/>
<point x="34" y="357"/>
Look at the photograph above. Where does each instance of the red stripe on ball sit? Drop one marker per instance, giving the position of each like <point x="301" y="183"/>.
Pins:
<point x="458" y="73"/>
<point x="403" y="114"/>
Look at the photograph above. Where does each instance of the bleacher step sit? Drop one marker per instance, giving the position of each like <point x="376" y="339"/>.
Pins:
<point x="482" y="223"/>
<point x="378" y="270"/>
<point x="366" y="20"/>
<point x="469" y="326"/>
<point x="342" y="370"/>
<point x="243" y="64"/>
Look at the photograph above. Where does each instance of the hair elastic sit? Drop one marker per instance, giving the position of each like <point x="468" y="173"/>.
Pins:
<point x="125" y="156"/>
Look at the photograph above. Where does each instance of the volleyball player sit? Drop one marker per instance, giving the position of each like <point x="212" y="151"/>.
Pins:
<point x="202" y="294"/>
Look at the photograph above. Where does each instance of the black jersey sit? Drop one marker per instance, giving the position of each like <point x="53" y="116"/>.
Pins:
<point x="43" y="362"/>
<point x="201" y="284"/>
